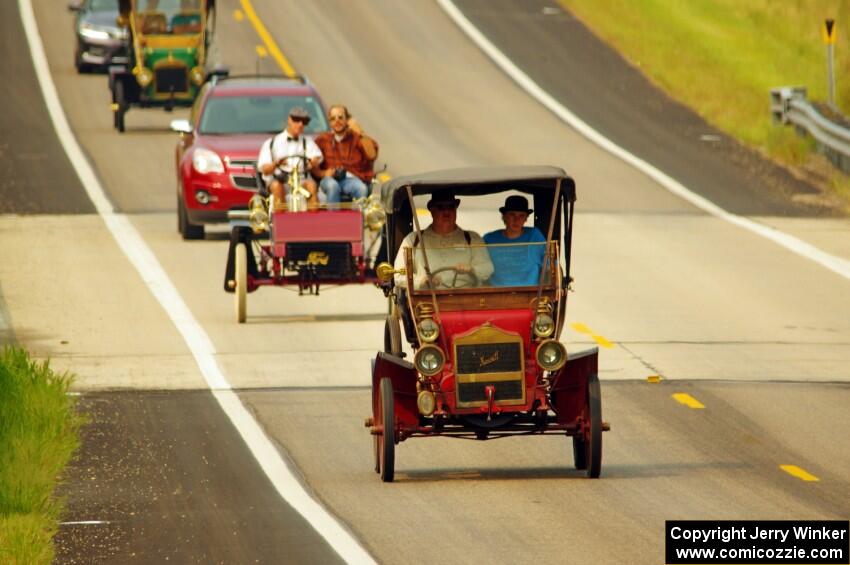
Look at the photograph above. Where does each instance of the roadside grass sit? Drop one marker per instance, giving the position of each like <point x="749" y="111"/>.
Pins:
<point x="39" y="432"/>
<point x="722" y="57"/>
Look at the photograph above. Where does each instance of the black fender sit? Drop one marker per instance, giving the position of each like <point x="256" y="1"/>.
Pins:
<point x="239" y="234"/>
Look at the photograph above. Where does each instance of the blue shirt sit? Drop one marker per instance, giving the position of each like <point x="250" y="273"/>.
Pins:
<point x="516" y="266"/>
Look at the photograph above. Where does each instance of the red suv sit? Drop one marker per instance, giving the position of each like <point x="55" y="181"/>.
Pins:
<point x="217" y="152"/>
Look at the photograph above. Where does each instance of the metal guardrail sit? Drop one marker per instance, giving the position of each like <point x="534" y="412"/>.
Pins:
<point x="788" y="105"/>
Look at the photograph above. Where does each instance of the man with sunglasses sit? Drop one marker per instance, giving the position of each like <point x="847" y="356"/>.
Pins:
<point x="457" y="258"/>
<point x="349" y="156"/>
<point x="290" y="148"/>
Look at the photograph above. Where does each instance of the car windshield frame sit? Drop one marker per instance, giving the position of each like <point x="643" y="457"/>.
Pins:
<point x="221" y="114"/>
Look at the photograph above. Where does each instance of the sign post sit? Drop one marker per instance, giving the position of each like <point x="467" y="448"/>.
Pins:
<point x="829" y="39"/>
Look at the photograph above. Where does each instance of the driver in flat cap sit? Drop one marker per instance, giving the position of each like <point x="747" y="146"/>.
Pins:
<point x="457" y="258"/>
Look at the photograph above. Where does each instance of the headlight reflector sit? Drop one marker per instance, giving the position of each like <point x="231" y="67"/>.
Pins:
<point x="206" y="161"/>
<point x="94" y="31"/>
<point x="258" y="216"/>
<point x="429" y="331"/>
<point x="197" y="76"/>
<point x="551" y="355"/>
<point x="144" y="76"/>
<point x="429" y="360"/>
<point x="426" y="402"/>
<point x="544" y="325"/>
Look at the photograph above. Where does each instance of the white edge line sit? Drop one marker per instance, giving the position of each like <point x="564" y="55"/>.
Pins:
<point x="836" y="264"/>
<point x="142" y="258"/>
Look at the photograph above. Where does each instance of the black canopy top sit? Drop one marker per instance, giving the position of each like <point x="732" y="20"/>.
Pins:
<point x="475" y="181"/>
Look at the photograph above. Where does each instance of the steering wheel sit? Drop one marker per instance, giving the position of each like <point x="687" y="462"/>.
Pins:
<point x="466" y="283"/>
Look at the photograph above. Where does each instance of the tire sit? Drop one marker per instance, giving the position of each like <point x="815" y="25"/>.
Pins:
<point x="241" y="273"/>
<point x="579" y="452"/>
<point x="392" y="336"/>
<point x="593" y="430"/>
<point x="120" y="99"/>
<point x="386" y="441"/>
<point x="187" y="230"/>
<point x="82" y="68"/>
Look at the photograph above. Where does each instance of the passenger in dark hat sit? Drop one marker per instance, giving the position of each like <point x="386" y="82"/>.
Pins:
<point x="281" y="153"/>
<point x="457" y="258"/>
<point x="516" y="265"/>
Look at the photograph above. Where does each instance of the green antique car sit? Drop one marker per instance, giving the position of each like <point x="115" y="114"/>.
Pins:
<point x="167" y="48"/>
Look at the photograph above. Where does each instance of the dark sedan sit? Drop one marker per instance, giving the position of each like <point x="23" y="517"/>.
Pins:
<point x="100" y="40"/>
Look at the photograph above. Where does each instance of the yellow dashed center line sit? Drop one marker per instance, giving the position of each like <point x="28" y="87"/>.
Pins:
<point x="688" y="400"/>
<point x="238" y="15"/>
<point x="267" y="39"/>
<point x="795" y="471"/>
<point x="582" y="329"/>
<point x="261" y="51"/>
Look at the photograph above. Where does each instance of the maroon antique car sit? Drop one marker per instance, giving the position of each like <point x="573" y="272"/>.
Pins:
<point x="291" y="245"/>
<point x="487" y="359"/>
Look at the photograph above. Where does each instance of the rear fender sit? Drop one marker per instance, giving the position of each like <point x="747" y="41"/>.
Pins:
<point x="568" y="394"/>
<point x="238" y="235"/>
<point x="402" y="374"/>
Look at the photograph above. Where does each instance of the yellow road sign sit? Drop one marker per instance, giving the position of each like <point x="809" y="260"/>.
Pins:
<point x="829" y="31"/>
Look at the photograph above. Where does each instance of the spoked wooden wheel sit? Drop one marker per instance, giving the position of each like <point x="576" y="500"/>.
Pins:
<point x="120" y="100"/>
<point x="386" y="441"/>
<point x="593" y="428"/>
<point x="392" y="336"/>
<point x="579" y="452"/>
<point x="241" y="291"/>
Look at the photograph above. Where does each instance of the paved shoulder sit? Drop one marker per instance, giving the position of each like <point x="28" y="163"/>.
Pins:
<point x="164" y="477"/>
<point x="35" y="174"/>
<point x="559" y="53"/>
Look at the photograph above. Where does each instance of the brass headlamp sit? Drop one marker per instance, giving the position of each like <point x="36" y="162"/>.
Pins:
<point x="258" y="215"/>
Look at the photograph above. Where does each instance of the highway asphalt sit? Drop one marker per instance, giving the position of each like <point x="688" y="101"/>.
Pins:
<point x="760" y="336"/>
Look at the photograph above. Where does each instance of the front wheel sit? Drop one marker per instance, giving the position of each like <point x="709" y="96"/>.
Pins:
<point x="386" y="441"/>
<point x="241" y="291"/>
<point x="593" y="427"/>
<point x="120" y="100"/>
<point x="392" y="336"/>
<point x="187" y="230"/>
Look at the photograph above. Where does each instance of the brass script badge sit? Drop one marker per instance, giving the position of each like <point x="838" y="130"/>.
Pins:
<point x="317" y="258"/>
<point x="484" y="361"/>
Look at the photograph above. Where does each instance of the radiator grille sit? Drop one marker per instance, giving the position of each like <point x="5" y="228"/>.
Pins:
<point x="489" y="358"/>
<point x="171" y="79"/>
<point x="475" y="392"/>
<point x="241" y="181"/>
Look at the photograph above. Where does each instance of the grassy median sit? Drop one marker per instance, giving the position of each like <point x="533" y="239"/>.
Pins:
<point x="722" y="57"/>
<point x="39" y="432"/>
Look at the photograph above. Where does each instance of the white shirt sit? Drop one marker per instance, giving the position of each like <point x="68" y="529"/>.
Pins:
<point x="287" y="148"/>
<point x="445" y="251"/>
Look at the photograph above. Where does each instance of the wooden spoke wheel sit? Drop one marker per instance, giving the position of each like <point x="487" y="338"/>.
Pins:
<point x="121" y="100"/>
<point x="579" y="452"/>
<point x="392" y="336"/>
<point x="241" y="276"/>
<point x="386" y="440"/>
<point x="593" y="428"/>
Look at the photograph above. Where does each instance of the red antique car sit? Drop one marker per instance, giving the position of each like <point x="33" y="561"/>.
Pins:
<point x="487" y="359"/>
<point x="290" y="245"/>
